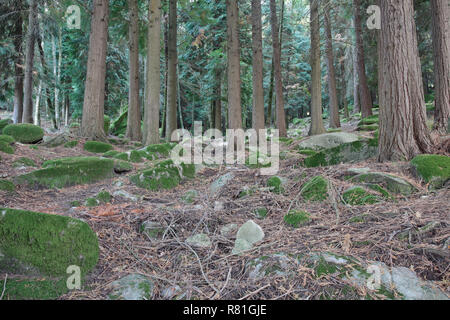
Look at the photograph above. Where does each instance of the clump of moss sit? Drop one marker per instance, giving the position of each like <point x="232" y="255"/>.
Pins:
<point x="368" y="127"/>
<point x="34" y="289"/>
<point x="27" y="162"/>
<point x="122" y="166"/>
<point x="7" y="139"/>
<point x="122" y="156"/>
<point x="104" y="197"/>
<point x="162" y="150"/>
<point x="135" y="156"/>
<point x="68" y="172"/>
<point x="6" y="147"/>
<point x="315" y="189"/>
<point x="106" y="124"/>
<point x="6" y="185"/>
<point x="97" y="147"/>
<point x="111" y="154"/>
<point x="369" y="120"/>
<point x="433" y="169"/>
<point x="359" y="196"/>
<point x="246" y="191"/>
<point x="24" y="132"/>
<point x="75" y="204"/>
<point x="297" y="219"/>
<point x="307" y="152"/>
<point x="92" y="202"/>
<point x="71" y="144"/>
<point x="275" y="184"/>
<point x="4" y="123"/>
<point x="48" y="243"/>
<point x="190" y="196"/>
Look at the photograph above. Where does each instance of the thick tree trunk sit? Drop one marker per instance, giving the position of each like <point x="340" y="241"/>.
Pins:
<point x="270" y="99"/>
<point x="281" y="118"/>
<point x="94" y="94"/>
<point x="441" y="50"/>
<point x="134" y="109"/>
<point x="27" y="116"/>
<point x="364" y="93"/>
<point x="218" y="102"/>
<point x="18" y="63"/>
<point x="317" y="126"/>
<point x="171" y="115"/>
<point x="55" y="77"/>
<point x="50" y="109"/>
<point x="258" y="91"/>
<point x="234" y="69"/>
<point x="36" y="111"/>
<point x="152" y="100"/>
<point x="334" y="107"/>
<point x="403" y="130"/>
<point x="356" y="102"/>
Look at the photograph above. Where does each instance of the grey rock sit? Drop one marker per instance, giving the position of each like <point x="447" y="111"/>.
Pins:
<point x="152" y="229"/>
<point x="132" y="287"/>
<point x="390" y="182"/>
<point x="328" y="140"/>
<point x="228" y="230"/>
<point x="200" y="240"/>
<point x="220" y="183"/>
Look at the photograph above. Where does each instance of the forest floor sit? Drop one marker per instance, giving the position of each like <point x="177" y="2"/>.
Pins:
<point x="215" y="273"/>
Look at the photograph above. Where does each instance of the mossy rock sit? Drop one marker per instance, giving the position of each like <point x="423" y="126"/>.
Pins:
<point x="33" y="242"/>
<point x="106" y="124"/>
<point x="34" y="289"/>
<point x="92" y="202"/>
<point x="97" y="147"/>
<point x="158" y="151"/>
<point x="433" y="169"/>
<point x="261" y="213"/>
<point x="111" y="154"/>
<point x="122" y="166"/>
<point x="6" y="185"/>
<point x="24" y="133"/>
<point x="389" y="182"/>
<point x="6" y="147"/>
<point x="347" y="153"/>
<point x="190" y="196"/>
<point x="135" y="156"/>
<point x="315" y="189"/>
<point x="372" y="120"/>
<point x="297" y="218"/>
<point x="275" y="184"/>
<point x="119" y="125"/>
<point x="24" y="162"/>
<point x="359" y="196"/>
<point x="104" y="197"/>
<point x="4" y="123"/>
<point x="71" y="144"/>
<point x="122" y="156"/>
<point x="68" y="172"/>
<point x="7" y="139"/>
<point x="307" y="152"/>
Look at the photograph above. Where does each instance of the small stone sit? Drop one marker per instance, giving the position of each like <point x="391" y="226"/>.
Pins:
<point x="132" y="287"/>
<point x="228" y="230"/>
<point x="251" y="232"/>
<point x="200" y="240"/>
<point x="220" y="183"/>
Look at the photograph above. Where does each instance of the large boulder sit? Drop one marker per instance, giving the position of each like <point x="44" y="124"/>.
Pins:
<point x="433" y="169"/>
<point x="328" y="140"/>
<point x="387" y="181"/>
<point x="24" y="132"/>
<point x="132" y="287"/>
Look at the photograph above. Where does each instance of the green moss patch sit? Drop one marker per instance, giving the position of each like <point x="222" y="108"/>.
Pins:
<point x="119" y="125"/>
<point x="6" y="147"/>
<point x="307" y="152"/>
<point x="275" y="184"/>
<point x="71" y="144"/>
<point x="24" y="132"/>
<point x="26" y="162"/>
<point x="4" y="123"/>
<point x="97" y="147"/>
<point x="372" y="120"/>
<point x="386" y="181"/>
<point x="359" y="196"/>
<point x="135" y="156"/>
<point x="261" y="213"/>
<point x="6" y="185"/>
<point x="34" y="289"/>
<point x="104" y="197"/>
<point x="433" y="169"/>
<point x="68" y="172"/>
<point x="122" y="166"/>
<point x="7" y="139"/>
<point x="315" y="189"/>
<point x="297" y="218"/>
<point x="92" y="202"/>
<point x="106" y="124"/>
<point x="48" y="243"/>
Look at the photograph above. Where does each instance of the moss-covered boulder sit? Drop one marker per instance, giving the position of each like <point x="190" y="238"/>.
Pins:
<point x="122" y="166"/>
<point x="6" y="147"/>
<point x="433" y="169"/>
<point x="156" y="151"/>
<point x="68" y="172"/>
<point x="24" y="162"/>
<point x="164" y="175"/>
<point x="4" y="123"/>
<point x="372" y="120"/>
<point x="275" y="184"/>
<point x="71" y="144"/>
<point x="97" y="147"/>
<point x="315" y="189"/>
<point x="358" y="195"/>
<point x="6" y="185"/>
<point x="328" y="140"/>
<point x="119" y="125"/>
<point x="386" y="181"/>
<point x="346" y="153"/>
<point x="42" y="244"/>
<point x="24" y="132"/>
<point x="7" y="139"/>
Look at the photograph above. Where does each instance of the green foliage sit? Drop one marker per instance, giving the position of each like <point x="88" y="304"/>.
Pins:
<point x="359" y="196"/>
<point x="91" y="202"/>
<point x="315" y="189"/>
<point x="104" y="197"/>
<point x="71" y="144"/>
<point x="6" y="147"/>
<point x="433" y="169"/>
<point x="27" y="162"/>
<point x="6" y="185"/>
<point x="297" y="218"/>
<point x="4" y="123"/>
<point x="106" y="123"/>
<point x="275" y="184"/>
<point x="97" y="147"/>
<point x="24" y="132"/>
<point x="7" y="139"/>
<point x="35" y="289"/>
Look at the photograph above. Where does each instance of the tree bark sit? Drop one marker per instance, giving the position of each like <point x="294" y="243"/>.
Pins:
<point x="281" y="118"/>
<point x="152" y="100"/>
<point x="218" y="101"/>
<point x="50" y="109"/>
<point x="403" y="130"/>
<point x="317" y="126"/>
<point x="334" y="107"/>
<point x="171" y="115"/>
<point x="27" y="116"/>
<point x="94" y="92"/>
<point x="134" y="109"/>
<point x="18" y="63"/>
<point x="234" y="69"/>
<point x="258" y="91"/>
<point x="441" y="51"/>
<point x="364" y="93"/>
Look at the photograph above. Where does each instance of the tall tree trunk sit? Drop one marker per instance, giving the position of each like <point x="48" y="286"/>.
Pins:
<point x="50" y="109"/>
<point x="270" y="99"/>
<point x="55" y="77"/>
<point x="171" y="115"/>
<point x="441" y="50"/>
<point x="403" y="130"/>
<point x="27" y="116"/>
<point x="152" y="100"/>
<point x="344" y="91"/>
<point x="281" y="118"/>
<point x="18" y="63"/>
<point x="356" y="101"/>
<point x="258" y="91"/>
<point x="364" y="93"/>
<point x="334" y="107"/>
<point x="94" y="94"/>
<point x="134" y="109"/>
<point x="218" y="101"/>
<point x="234" y="69"/>
<point x="317" y="126"/>
<point x="36" y="112"/>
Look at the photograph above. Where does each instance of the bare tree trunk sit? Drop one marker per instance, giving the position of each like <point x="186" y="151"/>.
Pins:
<point x="258" y="91"/>
<point x="441" y="50"/>
<point x="18" y="62"/>
<point x="152" y="100"/>
<point x="171" y="113"/>
<point x="317" y="126"/>
<point x="27" y="116"/>
<point x="234" y="69"/>
<point x="50" y="109"/>
<point x="270" y="99"/>
<point x="94" y="94"/>
<point x="334" y="107"/>
<point x="55" y="76"/>
<point x="134" y="109"/>
<point x="364" y="93"/>
<point x="218" y="102"/>
<point x="36" y="111"/>
<point x="356" y="101"/>
<point x="403" y="130"/>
